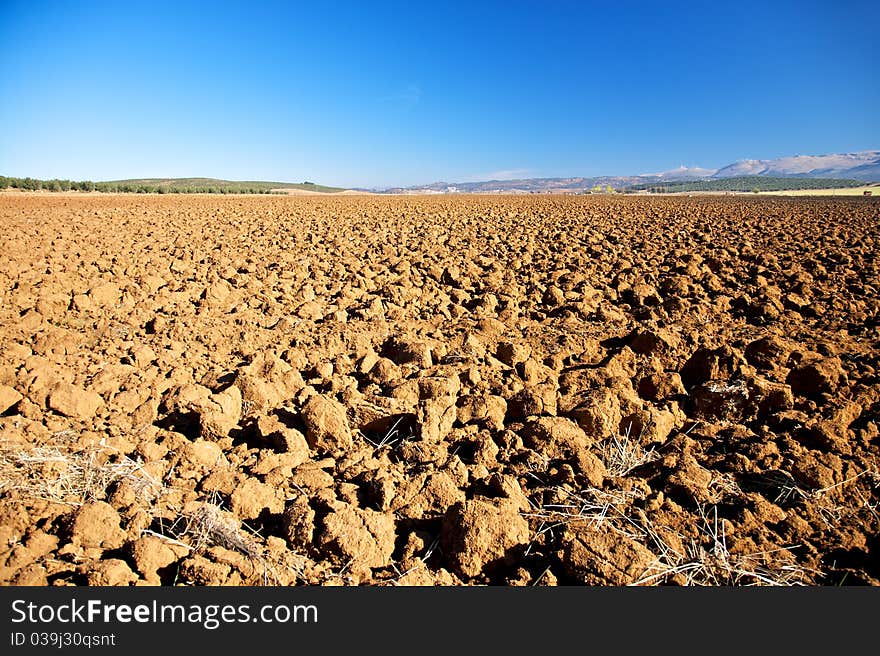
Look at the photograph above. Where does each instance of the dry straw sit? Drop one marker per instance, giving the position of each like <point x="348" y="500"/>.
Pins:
<point x="70" y="477"/>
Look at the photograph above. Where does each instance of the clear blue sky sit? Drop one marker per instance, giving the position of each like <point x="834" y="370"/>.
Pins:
<point x="385" y="93"/>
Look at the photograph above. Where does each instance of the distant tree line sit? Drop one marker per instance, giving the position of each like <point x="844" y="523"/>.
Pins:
<point x="752" y="183"/>
<point x="33" y="184"/>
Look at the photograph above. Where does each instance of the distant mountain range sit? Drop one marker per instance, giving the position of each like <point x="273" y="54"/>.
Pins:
<point x="856" y="166"/>
<point x="864" y="165"/>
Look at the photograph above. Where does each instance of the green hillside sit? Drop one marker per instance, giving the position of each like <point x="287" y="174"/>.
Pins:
<point x="754" y="183"/>
<point x="236" y="186"/>
<point x="163" y="185"/>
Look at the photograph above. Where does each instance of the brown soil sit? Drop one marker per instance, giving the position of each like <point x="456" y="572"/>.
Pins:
<point x="439" y="390"/>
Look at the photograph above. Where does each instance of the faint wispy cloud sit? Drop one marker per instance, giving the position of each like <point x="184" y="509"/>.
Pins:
<point x="403" y="100"/>
<point x="506" y="174"/>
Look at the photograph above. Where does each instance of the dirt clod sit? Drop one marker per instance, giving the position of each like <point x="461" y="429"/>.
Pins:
<point x="603" y="557"/>
<point x="360" y="538"/>
<point x="96" y="525"/>
<point x="327" y="427"/>
<point x="8" y="398"/>
<point x="151" y="554"/>
<point x="815" y="377"/>
<point x="74" y="402"/>
<point x="477" y="534"/>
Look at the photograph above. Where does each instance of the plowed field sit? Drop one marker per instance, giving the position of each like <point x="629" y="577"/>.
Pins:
<point x="521" y="390"/>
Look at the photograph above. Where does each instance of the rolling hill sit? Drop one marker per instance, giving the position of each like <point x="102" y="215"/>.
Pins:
<point x="200" y="184"/>
<point x="745" y="183"/>
<point x="168" y="186"/>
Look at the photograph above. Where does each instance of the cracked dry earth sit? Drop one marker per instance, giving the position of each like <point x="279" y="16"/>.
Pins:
<point x="438" y="391"/>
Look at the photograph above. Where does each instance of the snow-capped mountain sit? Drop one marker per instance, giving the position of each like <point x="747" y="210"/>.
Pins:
<point x="863" y="165"/>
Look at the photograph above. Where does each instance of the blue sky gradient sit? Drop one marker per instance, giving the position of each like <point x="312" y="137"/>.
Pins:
<point x="379" y="94"/>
